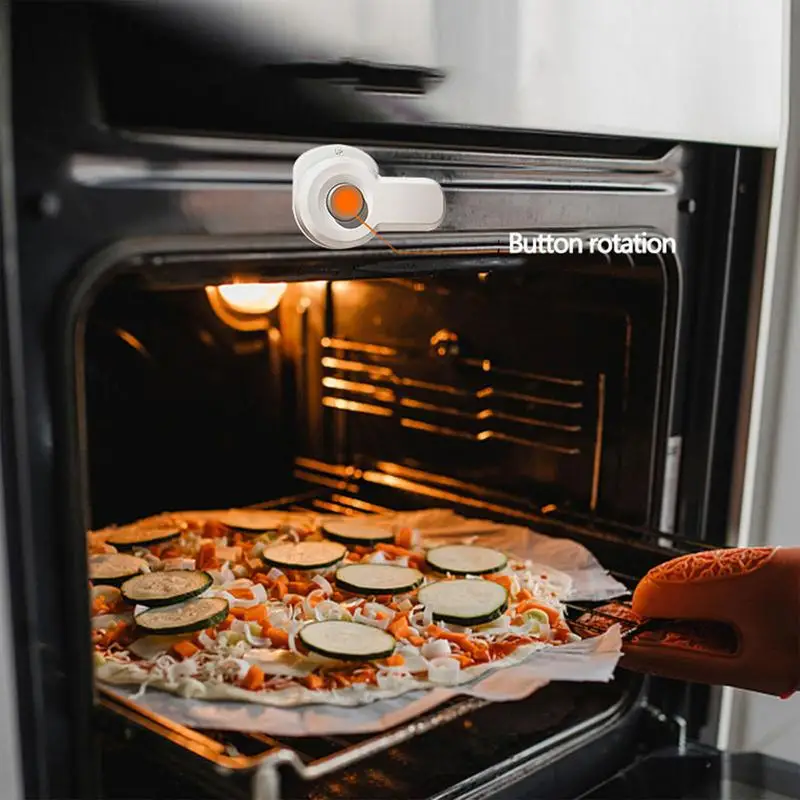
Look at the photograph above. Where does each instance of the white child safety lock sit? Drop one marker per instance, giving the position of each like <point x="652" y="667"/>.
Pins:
<point x="340" y="200"/>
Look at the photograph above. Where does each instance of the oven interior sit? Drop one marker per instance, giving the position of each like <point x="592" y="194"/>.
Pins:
<point x="539" y="378"/>
<point x="521" y="389"/>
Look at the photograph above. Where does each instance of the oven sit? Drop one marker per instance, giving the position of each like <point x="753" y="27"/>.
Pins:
<point x="588" y="396"/>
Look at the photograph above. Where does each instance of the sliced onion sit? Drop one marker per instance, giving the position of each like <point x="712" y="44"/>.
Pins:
<point x="437" y="648"/>
<point x="259" y="592"/>
<point x="417" y="618"/>
<point x="427" y="616"/>
<point x="233" y="602"/>
<point x="279" y="617"/>
<point x="373" y="609"/>
<point x="414" y="662"/>
<point x="286" y="530"/>
<point x="258" y="548"/>
<point x="244" y="628"/>
<point x="254" y="639"/>
<point x="240" y="602"/>
<point x="405" y="605"/>
<point x="181" y="670"/>
<point x="164" y="662"/>
<point x="444" y="671"/>
<point x="378" y="557"/>
<point x="308" y="609"/>
<point x="216" y="577"/>
<point x="239" y="649"/>
<point x="227" y="575"/>
<point x="390" y="680"/>
<point x="328" y="609"/>
<point x="500" y="626"/>
<point x="294" y="627"/>
<point x="323" y="584"/>
<point x="387" y="670"/>
<point x="274" y="574"/>
<point x="239" y="583"/>
<point x="205" y="641"/>
<point x="242" y="667"/>
<point x="108" y="620"/>
<point x="383" y="624"/>
<point x="545" y="632"/>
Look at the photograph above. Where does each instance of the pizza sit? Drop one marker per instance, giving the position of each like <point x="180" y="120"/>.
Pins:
<point x="284" y="608"/>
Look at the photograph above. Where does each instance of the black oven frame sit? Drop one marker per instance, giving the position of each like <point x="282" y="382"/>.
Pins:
<point x="63" y="220"/>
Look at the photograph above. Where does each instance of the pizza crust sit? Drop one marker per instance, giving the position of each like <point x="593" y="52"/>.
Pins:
<point x="297" y="695"/>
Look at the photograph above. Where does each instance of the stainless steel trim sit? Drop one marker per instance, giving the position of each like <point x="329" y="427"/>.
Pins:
<point x="483" y="192"/>
<point x="11" y="772"/>
<point x="669" y="162"/>
<point x="768" y="372"/>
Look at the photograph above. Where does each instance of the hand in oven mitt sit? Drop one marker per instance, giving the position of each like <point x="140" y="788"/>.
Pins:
<point x="726" y="617"/>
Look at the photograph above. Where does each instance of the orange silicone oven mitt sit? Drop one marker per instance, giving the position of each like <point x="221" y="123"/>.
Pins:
<point x="727" y="617"/>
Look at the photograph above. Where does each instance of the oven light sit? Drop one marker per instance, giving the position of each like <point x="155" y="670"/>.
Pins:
<point x="251" y="298"/>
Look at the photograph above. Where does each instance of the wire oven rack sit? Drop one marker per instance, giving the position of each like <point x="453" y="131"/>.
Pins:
<point x="259" y="758"/>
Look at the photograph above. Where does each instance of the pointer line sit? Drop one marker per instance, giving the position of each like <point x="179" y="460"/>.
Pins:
<point x="430" y="252"/>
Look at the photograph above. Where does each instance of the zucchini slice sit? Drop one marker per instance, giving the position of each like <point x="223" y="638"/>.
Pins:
<point x="465" y="602"/>
<point x="377" y="579"/>
<point x="132" y="536"/>
<point x="348" y="641"/>
<point x="165" y="588"/>
<point x="251" y="522"/>
<point x="304" y="555"/>
<point x="465" y="559"/>
<point x="114" y="568"/>
<point x="193" y="615"/>
<point x="354" y="532"/>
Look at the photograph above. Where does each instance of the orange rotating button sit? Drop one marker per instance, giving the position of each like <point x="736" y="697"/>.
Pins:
<point x="346" y="203"/>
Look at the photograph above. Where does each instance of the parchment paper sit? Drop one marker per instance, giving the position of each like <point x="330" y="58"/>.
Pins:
<point x="589" y="660"/>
